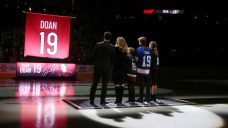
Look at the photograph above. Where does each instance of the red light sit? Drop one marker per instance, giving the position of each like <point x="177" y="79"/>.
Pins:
<point x="148" y="11"/>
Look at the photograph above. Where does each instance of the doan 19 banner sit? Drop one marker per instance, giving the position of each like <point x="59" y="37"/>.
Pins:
<point x="47" y="36"/>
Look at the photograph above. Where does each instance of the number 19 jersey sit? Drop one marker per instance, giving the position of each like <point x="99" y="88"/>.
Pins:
<point x="143" y="57"/>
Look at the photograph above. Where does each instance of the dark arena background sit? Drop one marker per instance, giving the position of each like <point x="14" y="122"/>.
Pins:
<point x="192" y="78"/>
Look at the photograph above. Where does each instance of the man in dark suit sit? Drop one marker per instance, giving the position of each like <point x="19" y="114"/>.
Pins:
<point x="104" y="53"/>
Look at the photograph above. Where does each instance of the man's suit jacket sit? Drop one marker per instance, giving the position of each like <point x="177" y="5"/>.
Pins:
<point x="104" y="53"/>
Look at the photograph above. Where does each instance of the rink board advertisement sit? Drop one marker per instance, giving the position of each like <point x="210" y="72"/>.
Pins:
<point x="6" y="68"/>
<point x="27" y="69"/>
<point x="47" y="36"/>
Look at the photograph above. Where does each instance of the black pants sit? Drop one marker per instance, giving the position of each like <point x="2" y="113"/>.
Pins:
<point x="143" y="81"/>
<point x="131" y="91"/>
<point x="105" y="75"/>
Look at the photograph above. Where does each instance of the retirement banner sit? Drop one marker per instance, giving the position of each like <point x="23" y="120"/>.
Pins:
<point x="47" y="36"/>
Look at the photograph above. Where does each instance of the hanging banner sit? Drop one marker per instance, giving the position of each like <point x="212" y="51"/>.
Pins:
<point x="47" y="36"/>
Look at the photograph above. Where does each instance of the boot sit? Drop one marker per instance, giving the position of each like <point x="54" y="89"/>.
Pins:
<point x="116" y="93"/>
<point x="153" y="97"/>
<point x="131" y="93"/>
<point x="121" y="94"/>
<point x="117" y="89"/>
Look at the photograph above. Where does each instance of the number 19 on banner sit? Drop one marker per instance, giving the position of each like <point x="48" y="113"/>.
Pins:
<point x="52" y="41"/>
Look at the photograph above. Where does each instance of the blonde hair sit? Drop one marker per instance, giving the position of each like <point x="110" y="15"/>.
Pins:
<point x="142" y="40"/>
<point x="154" y="47"/>
<point x="122" y="44"/>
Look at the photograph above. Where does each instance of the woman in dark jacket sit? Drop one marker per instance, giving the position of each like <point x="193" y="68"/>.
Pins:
<point x="120" y="67"/>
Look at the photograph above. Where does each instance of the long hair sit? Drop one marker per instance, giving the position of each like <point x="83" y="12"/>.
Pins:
<point x="122" y="44"/>
<point x="154" y="47"/>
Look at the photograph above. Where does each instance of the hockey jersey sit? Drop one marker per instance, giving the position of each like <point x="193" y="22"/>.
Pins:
<point x="131" y="67"/>
<point x="143" y="57"/>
